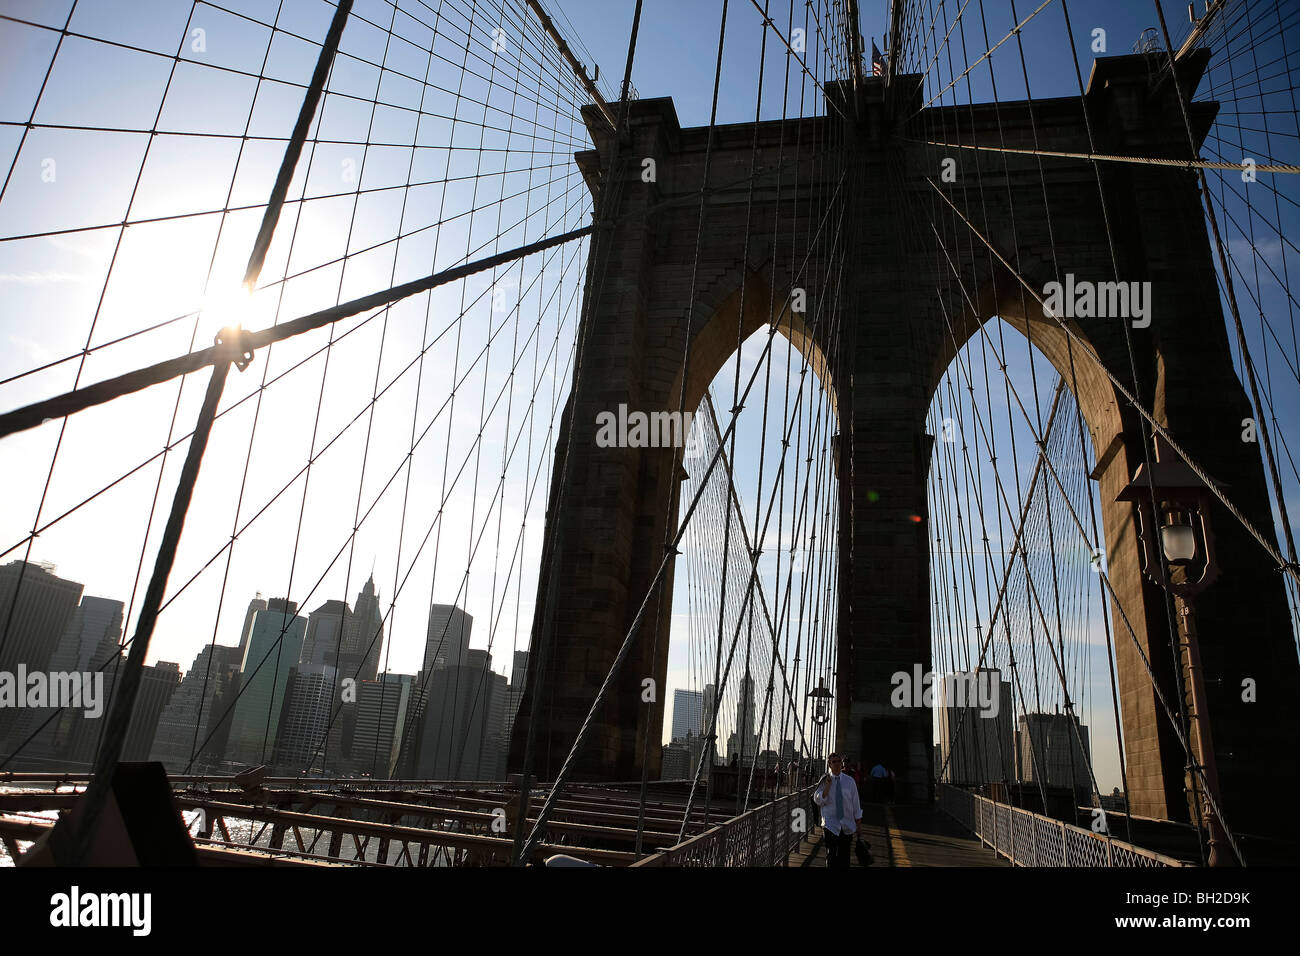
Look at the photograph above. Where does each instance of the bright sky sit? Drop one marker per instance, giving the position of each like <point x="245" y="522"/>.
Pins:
<point x="71" y="179"/>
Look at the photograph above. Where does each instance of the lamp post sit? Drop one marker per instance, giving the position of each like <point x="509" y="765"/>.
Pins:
<point x="1184" y="543"/>
<point x="820" y="696"/>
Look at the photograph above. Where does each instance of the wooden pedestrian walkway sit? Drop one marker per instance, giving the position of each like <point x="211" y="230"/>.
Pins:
<point x="914" y="835"/>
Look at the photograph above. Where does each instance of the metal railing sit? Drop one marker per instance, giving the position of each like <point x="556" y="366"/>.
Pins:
<point x="764" y="836"/>
<point x="1031" y="839"/>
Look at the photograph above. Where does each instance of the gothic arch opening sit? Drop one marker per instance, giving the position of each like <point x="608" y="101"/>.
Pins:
<point x="1014" y="529"/>
<point x="775" y="495"/>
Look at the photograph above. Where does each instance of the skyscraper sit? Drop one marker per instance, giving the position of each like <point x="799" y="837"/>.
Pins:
<point x="157" y="685"/>
<point x="707" y="717"/>
<point x="33" y="618"/>
<point x="497" y="742"/>
<point x="682" y="757"/>
<point x="447" y="637"/>
<point x="82" y="735"/>
<point x="743" y="741"/>
<point x="676" y="763"/>
<point x="412" y="730"/>
<point x="257" y="604"/>
<point x="978" y="745"/>
<point x="274" y="649"/>
<point x="514" y="694"/>
<point x="323" y="643"/>
<point x="90" y="639"/>
<point x="197" y="712"/>
<point x="363" y="635"/>
<point x="688" y="713"/>
<point x="1051" y="752"/>
<point x="309" y="699"/>
<point x="36" y="613"/>
<point x="382" y="708"/>
<point x="93" y="628"/>
<point x="459" y="733"/>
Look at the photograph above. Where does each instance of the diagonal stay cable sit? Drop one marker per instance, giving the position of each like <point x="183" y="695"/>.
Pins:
<point x="1106" y="157"/>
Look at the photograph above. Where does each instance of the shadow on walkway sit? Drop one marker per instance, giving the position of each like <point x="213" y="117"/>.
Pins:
<point x="906" y="835"/>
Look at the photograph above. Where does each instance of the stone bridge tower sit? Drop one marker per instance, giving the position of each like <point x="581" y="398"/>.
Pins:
<point x="903" y="317"/>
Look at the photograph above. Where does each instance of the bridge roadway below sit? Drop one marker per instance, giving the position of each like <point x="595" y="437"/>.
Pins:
<point x="906" y="835"/>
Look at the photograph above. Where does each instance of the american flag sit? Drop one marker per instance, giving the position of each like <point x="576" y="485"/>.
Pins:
<point x="877" y="60"/>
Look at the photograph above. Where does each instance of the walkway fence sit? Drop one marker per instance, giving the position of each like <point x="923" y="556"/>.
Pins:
<point x="764" y="836"/>
<point x="1031" y="839"/>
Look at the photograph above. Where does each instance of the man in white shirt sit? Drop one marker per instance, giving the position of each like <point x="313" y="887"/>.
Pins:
<point x="837" y="795"/>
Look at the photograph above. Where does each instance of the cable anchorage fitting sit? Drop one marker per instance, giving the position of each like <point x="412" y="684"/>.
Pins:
<point x="233" y="339"/>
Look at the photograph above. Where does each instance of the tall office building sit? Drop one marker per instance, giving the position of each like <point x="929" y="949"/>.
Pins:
<point x="498" y="742"/>
<point x="682" y="757"/>
<point x="309" y="698"/>
<point x="446" y="642"/>
<point x="363" y="635"/>
<point x="447" y="639"/>
<point x="323" y="642"/>
<point x="198" y="712"/>
<point x="513" y="695"/>
<point x="37" y="614"/>
<point x="227" y="664"/>
<point x="408" y="754"/>
<point x="977" y="744"/>
<point x="77" y="734"/>
<point x="274" y="649"/>
<point x="382" y="708"/>
<point x="459" y="735"/>
<point x="89" y="640"/>
<point x="342" y="722"/>
<point x="257" y="604"/>
<point x="688" y="713"/>
<point x="695" y="748"/>
<point x="81" y="735"/>
<point x="519" y="669"/>
<point x="93" y="629"/>
<point x="676" y="763"/>
<point x="1050" y="752"/>
<point x="743" y="742"/>
<point x="707" y="704"/>
<point x="157" y="685"/>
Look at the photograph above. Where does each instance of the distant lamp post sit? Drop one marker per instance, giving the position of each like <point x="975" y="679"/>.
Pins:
<point x="820" y="716"/>
<point x="1182" y="501"/>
